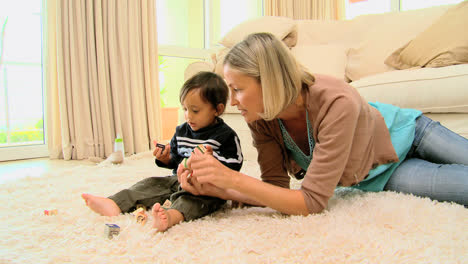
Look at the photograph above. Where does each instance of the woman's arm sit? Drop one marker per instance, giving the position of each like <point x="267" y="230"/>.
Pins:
<point x="282" y="199"/>
<point x="232" y="185"/>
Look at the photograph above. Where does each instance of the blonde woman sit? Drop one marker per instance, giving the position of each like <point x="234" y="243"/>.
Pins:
<point x="320" y="129"/>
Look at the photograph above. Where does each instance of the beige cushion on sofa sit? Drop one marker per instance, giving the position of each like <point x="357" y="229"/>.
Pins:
<point x="196" y="67"/>
<point x="324" y="59"/>
<point x="444" y="43"/>
<point x="313" y="32"/>
<point x="387" y="33"/>
<point x="218" y="60"/>
<point x="434" y="90"/>
<point x="282" y="27"/>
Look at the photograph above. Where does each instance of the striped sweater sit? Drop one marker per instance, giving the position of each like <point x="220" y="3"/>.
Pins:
<point x="222" y="138"/>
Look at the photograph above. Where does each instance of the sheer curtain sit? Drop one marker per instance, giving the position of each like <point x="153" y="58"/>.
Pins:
<point x="101" y="76"/>
<point x="306" y="9"/>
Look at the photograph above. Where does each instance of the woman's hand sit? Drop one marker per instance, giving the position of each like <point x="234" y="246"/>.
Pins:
<point x="163" y="154"/>
<point x="185" y="183"/>
<point x="193" y="186"/>
<point x="208" y="170"/>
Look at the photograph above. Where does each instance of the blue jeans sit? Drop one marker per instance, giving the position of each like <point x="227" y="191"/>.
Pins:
<point x="436" y="165"/>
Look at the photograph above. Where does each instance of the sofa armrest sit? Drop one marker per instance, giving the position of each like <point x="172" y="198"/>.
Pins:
<point x="431" y="90"/>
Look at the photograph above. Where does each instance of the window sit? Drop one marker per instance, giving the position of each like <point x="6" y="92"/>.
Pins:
<point x="189" y="30"/>
<point x="360" y="7"/>
<point x="418" y="4"/>
<point x="21" y="89"/>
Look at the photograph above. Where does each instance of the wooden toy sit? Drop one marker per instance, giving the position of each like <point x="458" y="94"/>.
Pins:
<point x="140" y="215"/>
<point x="159" y="145"/>
<point x="138" y="206"/>
<point x="111" y="230"/>
<point x="184" y="162"/>
<point x="167" y="204"/>
<point x="199" y="147"/>
<point x="51" y="212"/>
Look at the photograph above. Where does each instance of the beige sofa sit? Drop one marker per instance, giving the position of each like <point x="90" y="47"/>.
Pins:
<point x="357" y="51"/>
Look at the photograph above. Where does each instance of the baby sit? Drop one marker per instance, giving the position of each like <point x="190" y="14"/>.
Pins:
<point x="203" y="98"/>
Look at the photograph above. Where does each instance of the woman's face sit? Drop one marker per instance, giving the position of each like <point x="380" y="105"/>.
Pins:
<point x="246" y="93"/>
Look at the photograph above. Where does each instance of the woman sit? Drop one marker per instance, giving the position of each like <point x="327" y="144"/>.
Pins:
<point x="321" y="129"/>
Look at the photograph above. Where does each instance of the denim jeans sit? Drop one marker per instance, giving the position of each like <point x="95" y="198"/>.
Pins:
<point x="436" y="165"/>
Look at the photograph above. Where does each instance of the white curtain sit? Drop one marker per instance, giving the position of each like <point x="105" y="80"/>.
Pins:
<point x="101" y="77"/>
<point x="306" y="9"/>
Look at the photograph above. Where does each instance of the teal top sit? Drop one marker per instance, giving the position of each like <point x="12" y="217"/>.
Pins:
<point x="298" y="156"/>
<point x="401" y="123"/>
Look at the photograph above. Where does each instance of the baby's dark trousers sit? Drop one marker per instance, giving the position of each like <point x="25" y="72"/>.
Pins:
<point x="158" y="189"/>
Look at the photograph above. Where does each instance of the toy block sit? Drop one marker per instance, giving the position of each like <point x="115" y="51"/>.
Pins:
<point x="138" y="206"/>
<point x="140" y="215"/>
<point x="159" y="145"/>
<point x="51" y="212"/>
<point x="184" y="162"/>
<point x="167" y="204"/>
<point x="111" y="230"/>
<point x="201" y="148"/>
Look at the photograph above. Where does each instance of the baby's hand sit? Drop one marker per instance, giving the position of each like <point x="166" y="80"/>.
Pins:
<point x="162" y="152"/>
<point x="181" y="169"/>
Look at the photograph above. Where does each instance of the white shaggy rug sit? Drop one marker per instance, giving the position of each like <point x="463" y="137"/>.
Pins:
<point x="356" y="228"/>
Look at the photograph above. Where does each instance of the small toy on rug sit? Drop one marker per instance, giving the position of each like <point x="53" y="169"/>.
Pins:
<point x="51" y="212"/>
<point x="111" y="230"/>
<point x="138" y="206"/>
<point x="140" y="215"/>
<point x="167" y="204"/>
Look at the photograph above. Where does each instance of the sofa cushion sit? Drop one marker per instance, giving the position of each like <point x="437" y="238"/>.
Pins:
<point x="324" y="59"/>
<point x="313" y="32"/>
<point x="218" y="60"/>
<point x="196" y="67"/>
<point x="387" y="32"/>
<point x="282" y="27"/>
<point x="431" y="90"/>
<point x="444" y="43"/>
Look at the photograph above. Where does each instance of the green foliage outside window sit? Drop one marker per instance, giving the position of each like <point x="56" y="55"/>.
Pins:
<point x="31" y="134"/>
<point x="22" y="136"/>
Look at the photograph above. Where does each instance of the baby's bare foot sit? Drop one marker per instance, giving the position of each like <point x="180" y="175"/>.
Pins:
<point x="161" y="218"/>
<point x="101" y="205"/>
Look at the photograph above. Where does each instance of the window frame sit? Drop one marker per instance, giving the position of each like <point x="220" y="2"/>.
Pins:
<point x="35" y="150"/>
<point x="395" y="6"/>
<point x="210" y="45"/>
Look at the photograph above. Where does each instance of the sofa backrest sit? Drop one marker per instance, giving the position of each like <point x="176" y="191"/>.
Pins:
<point x="366" y="40"/>
<point x="383" y="34"/>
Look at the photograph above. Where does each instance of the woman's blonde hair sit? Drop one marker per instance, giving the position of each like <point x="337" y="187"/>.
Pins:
<point x="267" y="59"/>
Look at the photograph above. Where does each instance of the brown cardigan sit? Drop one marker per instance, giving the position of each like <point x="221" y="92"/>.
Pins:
<point x="350" y="139"/>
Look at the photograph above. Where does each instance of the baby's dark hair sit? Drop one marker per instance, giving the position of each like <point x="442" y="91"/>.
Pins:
<point x="212" y="87"/>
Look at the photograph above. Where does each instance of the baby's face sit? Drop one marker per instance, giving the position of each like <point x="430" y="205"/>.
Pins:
<point x="198" y="113"/>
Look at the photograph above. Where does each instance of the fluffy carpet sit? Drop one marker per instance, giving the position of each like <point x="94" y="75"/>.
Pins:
<point x="356" y="228"/>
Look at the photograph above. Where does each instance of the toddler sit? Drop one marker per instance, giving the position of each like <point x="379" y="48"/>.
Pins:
<point x="204" y="98"/>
